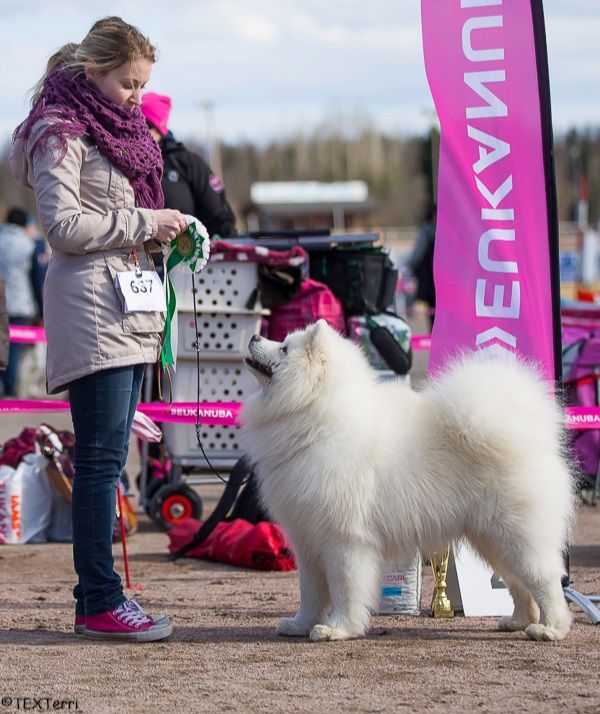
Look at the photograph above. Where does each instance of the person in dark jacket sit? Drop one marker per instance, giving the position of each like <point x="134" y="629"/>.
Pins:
<point x="192" y="188"/>
<point x="421" y="261"/>
<point x="188" y="183"/>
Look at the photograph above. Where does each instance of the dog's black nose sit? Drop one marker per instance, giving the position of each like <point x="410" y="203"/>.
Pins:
<point x="255" y="338"/>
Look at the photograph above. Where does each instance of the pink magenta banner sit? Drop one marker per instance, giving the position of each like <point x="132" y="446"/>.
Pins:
<point x="492" y="261"/>
<point x="27" y="334"/>
<point x="228" y="413"/>
<point x="211" y="413"/>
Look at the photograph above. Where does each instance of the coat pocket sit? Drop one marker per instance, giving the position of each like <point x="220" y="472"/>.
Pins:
<point x="133" y="322"/>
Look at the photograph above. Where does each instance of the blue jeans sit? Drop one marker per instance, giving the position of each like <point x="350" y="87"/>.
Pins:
<point x="102" y="409"/>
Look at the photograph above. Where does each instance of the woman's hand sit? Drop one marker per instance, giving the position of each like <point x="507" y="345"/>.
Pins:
<point x="170" y="223"/>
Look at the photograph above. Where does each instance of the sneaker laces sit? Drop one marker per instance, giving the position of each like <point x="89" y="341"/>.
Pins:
<point x="133" y="604"/>
<point x="130" y="616"/>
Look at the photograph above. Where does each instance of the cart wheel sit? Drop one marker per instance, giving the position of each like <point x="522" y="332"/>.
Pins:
<point x="153" y="487"/>
<point x="174" y="504"/>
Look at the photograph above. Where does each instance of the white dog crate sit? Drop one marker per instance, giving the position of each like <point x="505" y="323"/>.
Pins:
<point x="219" y="382"/>
<point x="228" y="313"/>
<point x="222" y="335"/>
<point x="227" y="285"/>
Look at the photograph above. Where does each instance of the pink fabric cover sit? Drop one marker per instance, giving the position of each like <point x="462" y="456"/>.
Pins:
<point x="313" y="302"/>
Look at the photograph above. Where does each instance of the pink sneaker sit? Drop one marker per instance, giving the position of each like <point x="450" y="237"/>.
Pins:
<point x="79" y="625"/>
<point x="125" y="623"/>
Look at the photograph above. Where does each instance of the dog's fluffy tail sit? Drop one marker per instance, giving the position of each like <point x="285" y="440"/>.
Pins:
<point x="498" y="404"/>
<point x="505" y="412"/>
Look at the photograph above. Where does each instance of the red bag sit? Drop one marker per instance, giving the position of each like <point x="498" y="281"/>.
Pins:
<point x="262" y="546"/>
<point x="16" y="448"/>
<point x="313" y="302"/>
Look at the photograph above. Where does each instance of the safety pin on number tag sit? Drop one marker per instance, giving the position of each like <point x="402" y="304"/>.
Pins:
<point x="136" y="263"/>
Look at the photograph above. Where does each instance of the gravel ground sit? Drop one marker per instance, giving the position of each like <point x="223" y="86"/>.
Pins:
<point x="224" y="655"/>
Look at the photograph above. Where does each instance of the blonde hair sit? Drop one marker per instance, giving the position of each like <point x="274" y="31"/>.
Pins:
<point x="110" y="43"/>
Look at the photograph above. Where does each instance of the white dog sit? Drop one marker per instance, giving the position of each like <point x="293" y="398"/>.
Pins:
<point x="358" y="470"/>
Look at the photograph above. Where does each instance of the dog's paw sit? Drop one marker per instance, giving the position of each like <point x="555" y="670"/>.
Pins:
<point x="544" y="633"/>
<point x="289" y="627"/>
<point x="507" y="624"/>
<point x="320" y="633"/>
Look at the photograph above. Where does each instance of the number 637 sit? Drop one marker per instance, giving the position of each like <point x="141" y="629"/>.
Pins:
<point x="141" y="286"/>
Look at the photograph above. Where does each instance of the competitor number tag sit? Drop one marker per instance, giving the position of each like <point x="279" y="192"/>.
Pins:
<point x="142" y="293"/>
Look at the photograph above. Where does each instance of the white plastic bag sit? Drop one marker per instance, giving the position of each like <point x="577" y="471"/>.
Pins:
<point x="144" y="428"/>
<point x="10" y="506"/>
<point x="401" y="587"/>
<point x="25" y="501"/>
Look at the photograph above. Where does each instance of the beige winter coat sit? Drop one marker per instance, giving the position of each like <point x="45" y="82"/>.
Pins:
<point x="87" y="211"/>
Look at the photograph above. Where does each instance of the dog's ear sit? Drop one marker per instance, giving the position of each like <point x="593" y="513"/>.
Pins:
<point x="319" y="327"/>
<point x="317" y="335"/>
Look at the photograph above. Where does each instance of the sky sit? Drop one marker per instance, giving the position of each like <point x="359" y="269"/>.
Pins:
<point x="274" y="68"/>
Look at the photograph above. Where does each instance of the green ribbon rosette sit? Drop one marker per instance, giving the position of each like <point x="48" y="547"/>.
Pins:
<point x="191" y="248"/>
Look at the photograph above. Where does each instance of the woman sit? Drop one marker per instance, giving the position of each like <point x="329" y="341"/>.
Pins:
<point x="95" y="170"/>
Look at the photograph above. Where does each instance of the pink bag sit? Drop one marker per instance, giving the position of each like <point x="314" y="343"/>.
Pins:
<point x="263" y="545"/>
<point x="314" y="301"/>
<point x="581" y="367"/>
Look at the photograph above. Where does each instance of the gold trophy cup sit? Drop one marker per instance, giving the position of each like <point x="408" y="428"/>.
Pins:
<point x="440" y="605"/>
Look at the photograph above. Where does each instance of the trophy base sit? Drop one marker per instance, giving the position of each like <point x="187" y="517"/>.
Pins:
<point x="440" y="607"/>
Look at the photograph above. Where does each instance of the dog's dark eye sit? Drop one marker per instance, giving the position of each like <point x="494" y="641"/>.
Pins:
<point x="284" y="349"/>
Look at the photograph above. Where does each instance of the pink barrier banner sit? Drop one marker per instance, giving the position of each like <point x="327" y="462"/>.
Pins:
<point x="420" y="342"/>
<point x="582" y="417"/>
<point x="24" y="333"/>
<point x="492" y="264"/>
<point x="32" y="405"/>
<point x="211" y="413"/>
<point x="228" y="413"/>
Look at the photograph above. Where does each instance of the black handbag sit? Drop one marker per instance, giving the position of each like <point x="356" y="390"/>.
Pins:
<point x="398" y="357"/>
<point x="278" y="284"/>
<point x="363" y="279"/>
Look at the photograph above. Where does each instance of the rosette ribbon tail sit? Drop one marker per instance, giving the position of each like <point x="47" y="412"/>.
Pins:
<point x="190" y="247"/>
<point x="168" y="351"/>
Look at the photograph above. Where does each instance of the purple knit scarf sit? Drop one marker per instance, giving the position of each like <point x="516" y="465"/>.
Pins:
<point x="77" y="108"/>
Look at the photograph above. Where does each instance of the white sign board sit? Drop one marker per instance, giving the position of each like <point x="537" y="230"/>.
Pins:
<point x="474" y="588"/>
<point x="271" y="192"/>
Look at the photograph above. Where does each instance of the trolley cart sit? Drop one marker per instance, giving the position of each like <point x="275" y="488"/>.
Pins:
<point x="226" y="318"/>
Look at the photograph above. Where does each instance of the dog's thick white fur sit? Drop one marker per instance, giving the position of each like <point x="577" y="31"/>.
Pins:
<point x="358" y="470"/>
